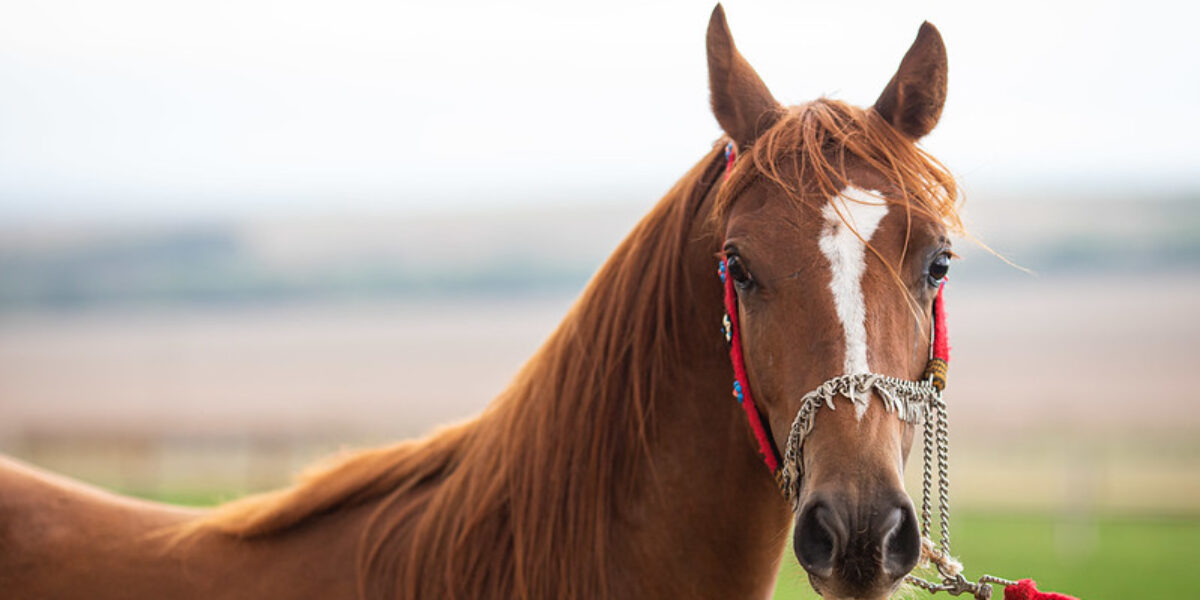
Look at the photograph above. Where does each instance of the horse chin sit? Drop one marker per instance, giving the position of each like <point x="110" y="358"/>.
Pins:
<point x="816" y="586"/>
<point x="826" y="594"/>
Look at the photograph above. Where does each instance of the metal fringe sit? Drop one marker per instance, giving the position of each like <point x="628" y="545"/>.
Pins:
<point x="908" y="399"/>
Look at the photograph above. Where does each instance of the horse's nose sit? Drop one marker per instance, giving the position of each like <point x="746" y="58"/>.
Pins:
<point x="820" y="534"/>
<point x="901" y="540"/>
<point x="859" y="546"/>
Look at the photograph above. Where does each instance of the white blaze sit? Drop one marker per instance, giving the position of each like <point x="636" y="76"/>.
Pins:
<point x="847" y="260"/>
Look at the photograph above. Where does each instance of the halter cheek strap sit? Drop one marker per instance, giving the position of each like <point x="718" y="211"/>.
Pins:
<point x="741" y="383"/>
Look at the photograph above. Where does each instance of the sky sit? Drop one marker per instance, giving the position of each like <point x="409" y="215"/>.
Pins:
<point x="134" y="109"/>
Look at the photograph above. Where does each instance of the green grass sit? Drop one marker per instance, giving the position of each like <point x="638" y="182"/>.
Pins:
<point x="183" y="497"/>
<point x="1115" y="558"/>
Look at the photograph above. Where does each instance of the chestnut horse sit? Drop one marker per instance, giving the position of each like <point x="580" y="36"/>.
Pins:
<point x="616" y="465"/>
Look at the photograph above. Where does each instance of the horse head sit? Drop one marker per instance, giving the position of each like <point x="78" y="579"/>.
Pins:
<point x="834" y="228"/>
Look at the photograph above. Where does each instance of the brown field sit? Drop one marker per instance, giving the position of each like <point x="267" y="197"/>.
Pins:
<point x="1081" y="388"/>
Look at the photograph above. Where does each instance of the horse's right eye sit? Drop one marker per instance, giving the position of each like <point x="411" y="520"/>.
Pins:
<point x="938" y="269"/>
<point x="741" y="277"/>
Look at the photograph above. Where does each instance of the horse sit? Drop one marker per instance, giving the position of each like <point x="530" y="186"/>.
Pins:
<point x="615" y="465"/>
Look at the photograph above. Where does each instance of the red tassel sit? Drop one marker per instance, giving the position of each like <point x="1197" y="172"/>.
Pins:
<point x="1026" y="589"/>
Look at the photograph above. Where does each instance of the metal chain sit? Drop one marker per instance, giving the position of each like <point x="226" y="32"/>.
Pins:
<point x="996" y="580"/>
<point x="927" y="478"/>
<point x="981" y="590"/>
<point x="943" y="458"/>
<point x="955" y="586"/>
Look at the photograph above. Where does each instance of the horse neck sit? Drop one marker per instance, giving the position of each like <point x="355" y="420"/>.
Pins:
<point x="701" y="511"/>
<point x="616" y="465"/>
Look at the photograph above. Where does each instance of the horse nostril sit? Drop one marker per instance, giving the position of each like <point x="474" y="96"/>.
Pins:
<point x="901" y="541"/>
<point x="817" y="539"/>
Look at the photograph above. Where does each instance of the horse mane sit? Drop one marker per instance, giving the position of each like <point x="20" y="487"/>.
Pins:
<point x="518" y="502"/>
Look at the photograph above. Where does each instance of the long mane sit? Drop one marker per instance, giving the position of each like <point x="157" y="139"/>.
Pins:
<point x="518" y="502"/>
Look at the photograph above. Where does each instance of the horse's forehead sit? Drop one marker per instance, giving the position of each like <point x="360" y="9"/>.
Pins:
<point x="795" y="222"/>
<point x="863" y="208"/>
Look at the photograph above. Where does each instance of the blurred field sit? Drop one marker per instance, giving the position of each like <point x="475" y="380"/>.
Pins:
<point x="1073" y="406"/>
<point x="1081" y="387"/>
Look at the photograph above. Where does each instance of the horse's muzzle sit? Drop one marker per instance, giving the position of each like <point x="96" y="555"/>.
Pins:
<point x="857" y="550"/>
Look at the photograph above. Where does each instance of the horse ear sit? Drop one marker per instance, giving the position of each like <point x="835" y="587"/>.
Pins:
<point x="740" y="100"/>
<point x="912" y="101"/>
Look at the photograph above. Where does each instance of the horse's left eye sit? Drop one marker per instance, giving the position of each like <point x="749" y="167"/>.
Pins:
<point x="938" y="269"/>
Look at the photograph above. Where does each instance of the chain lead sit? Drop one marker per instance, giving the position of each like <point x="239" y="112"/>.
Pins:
<point x="927" y="477"/>
<point x="943" y="456"/>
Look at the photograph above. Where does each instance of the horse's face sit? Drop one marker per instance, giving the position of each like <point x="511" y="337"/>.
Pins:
<point x="815" y="302"/>
<point x="834" y="281"/>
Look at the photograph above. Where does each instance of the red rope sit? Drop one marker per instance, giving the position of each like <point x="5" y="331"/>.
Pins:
<point x="1026" y="589"/>
<point x="941" y="341"/>
<point x="741" y="381"/>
